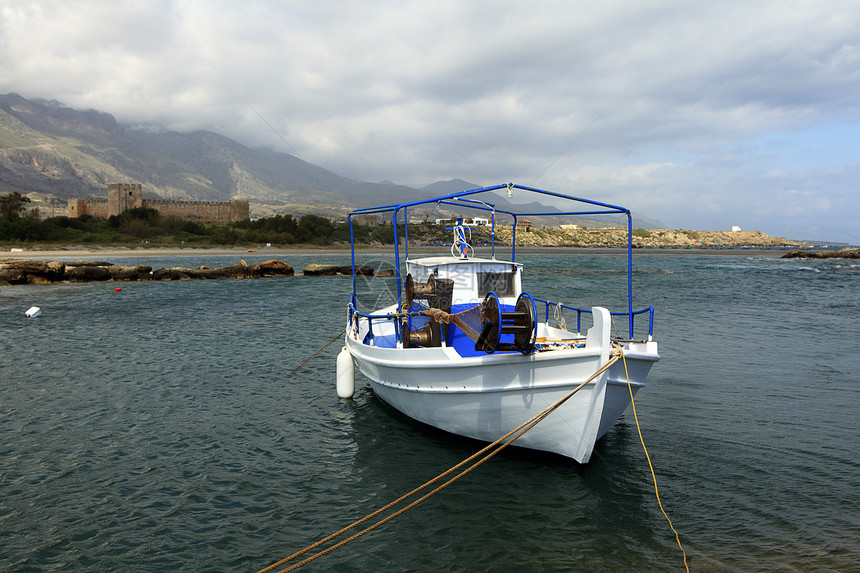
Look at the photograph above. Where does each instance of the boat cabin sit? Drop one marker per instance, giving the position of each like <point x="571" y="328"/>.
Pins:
<point x="473" y="278"/>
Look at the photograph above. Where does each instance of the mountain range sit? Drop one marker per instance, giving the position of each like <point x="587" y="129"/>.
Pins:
<point x="51" y="149"/>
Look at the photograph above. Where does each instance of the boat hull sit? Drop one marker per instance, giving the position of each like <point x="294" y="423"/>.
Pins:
<point x="487" y="397"/>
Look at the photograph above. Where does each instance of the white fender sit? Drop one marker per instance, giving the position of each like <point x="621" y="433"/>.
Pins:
<point x="345" y="374"/>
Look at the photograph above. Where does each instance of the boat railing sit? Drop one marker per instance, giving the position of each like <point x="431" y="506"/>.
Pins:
<point x="355" y="314"/>
<point x="580" y="311"/>
<point x="394" y="316"/>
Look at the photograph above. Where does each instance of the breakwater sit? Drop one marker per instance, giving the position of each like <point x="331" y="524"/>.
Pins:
<point x="19" y="271"/>
<point x="846" y="253"/>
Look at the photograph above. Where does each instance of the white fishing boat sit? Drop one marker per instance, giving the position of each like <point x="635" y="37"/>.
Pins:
<point x="465" y="349"/>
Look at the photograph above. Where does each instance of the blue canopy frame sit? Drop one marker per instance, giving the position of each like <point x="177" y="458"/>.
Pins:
<point x="458" y="199"/>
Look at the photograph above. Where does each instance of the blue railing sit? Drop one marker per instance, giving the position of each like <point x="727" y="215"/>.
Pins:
<point x="353" y="313"/>
<point x="581" y="311"/>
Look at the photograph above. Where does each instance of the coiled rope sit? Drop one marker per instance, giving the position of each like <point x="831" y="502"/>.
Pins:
<point x="558" y="315"/>
<point x="479" y="458"/>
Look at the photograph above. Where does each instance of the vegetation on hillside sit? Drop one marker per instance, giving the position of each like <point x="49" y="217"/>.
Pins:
<point x="147" y="227"/>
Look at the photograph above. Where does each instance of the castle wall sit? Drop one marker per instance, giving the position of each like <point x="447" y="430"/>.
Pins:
<point x="93" y="207"/>
<point x="202" y="211"/>
<point x="122" y="197"/>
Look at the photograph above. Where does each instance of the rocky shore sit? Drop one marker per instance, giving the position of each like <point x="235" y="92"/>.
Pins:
<point x="642" y="238"/>
<point x="24" y="271"/>
<point x="846" y="253"/>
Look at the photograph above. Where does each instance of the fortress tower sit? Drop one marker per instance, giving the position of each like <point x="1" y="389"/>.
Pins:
<point x="124" y="196"/>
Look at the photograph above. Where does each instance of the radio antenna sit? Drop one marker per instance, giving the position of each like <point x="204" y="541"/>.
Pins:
<point x="313" y="167"/>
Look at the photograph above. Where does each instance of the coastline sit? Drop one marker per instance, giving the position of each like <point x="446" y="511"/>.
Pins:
<point x="107" y="252"/>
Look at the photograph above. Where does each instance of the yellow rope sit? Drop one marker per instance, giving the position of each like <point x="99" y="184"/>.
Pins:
<point x="490" y="451"/>
<point x="648" y="457"/>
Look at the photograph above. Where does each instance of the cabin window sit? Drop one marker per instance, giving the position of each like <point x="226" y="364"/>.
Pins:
<point x="501" y="283"/>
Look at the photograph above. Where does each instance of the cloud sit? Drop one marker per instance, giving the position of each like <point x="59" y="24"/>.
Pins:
<point x="685" y="94"/>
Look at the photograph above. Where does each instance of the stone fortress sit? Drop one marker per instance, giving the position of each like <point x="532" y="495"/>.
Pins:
<point x="125" y="196"/>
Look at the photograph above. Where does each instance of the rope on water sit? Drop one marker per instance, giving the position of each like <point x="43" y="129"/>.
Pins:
<point x="644" y="449"/>
<point x="648" y="457"/>
<point x="317" y="353"/>
<point x="487" y="452"/>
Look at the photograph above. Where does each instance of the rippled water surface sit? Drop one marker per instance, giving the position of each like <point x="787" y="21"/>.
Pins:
<point x="158" y="429"/>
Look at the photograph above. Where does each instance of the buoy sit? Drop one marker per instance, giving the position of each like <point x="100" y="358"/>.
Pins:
<point x="33" y="312"/>
<point x="117" y="289"/>
<point x="345" y="374"/>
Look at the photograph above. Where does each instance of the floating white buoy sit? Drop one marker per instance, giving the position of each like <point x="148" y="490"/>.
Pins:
<point x="33" y="312"/>
<point x="345" y="374"/>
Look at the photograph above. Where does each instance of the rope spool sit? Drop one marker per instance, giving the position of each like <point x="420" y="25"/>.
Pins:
<point x="438" y="294"/>
<point x="428" y="336"/>
<point x="521" y="323"/>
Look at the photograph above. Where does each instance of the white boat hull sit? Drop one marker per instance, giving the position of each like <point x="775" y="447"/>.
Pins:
<point x="485" y="397"/>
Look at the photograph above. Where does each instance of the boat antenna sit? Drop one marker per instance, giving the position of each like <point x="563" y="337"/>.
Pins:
<point x="577" y="138"/>
<point x="296" y="154"/>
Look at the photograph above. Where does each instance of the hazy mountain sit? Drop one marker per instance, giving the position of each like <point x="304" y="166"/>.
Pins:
<point x="49" y="148"/>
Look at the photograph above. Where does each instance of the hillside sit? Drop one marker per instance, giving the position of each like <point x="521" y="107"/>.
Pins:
<point x="46" y="147"/>
<point x="51" y="153"/>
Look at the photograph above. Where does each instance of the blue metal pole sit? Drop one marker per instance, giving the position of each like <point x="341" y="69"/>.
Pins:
<point x="352" y="251"/>
<point x="630" y="271"/>
<point x="514" y="241"/>
<point x="493" y="232"/>
<point x="406" y="231"/>
<point x="397" y="257"/>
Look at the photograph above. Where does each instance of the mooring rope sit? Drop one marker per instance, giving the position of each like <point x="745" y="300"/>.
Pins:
<point x="648" y="457"/>
<point x="317" y="353"/>
<point x="644" y="449"/>
<point x="487" y="452"/>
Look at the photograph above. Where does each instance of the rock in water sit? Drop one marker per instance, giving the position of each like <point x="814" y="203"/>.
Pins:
<point x="316" y="270"/>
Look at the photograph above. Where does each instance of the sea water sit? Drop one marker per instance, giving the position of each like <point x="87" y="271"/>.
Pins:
<point x="158" y="429"/>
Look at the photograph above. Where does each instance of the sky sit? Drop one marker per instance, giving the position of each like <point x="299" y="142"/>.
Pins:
<point x="702" y="115"/>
